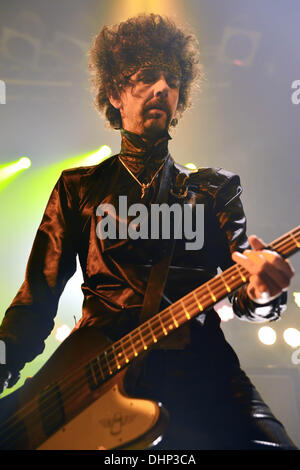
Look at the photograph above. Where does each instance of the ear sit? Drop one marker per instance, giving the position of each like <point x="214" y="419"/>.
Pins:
<point x="114" y="98"/>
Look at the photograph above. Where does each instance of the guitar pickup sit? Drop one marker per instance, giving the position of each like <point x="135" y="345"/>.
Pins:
<point x="94" y="376"/>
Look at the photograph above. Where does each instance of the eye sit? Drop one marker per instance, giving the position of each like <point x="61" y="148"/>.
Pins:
<point x="147" y="76"/>
<point x="173" y="81"/>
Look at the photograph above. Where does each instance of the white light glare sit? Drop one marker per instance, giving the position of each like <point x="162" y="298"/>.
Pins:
<point x="267" y="335"/>
<point x="224" y="310"/>
<point x="292" y="337"/>
<point x="24" y="163"/>
<point x="97" y="157"/>
<point x="297" y="298"/>
<point x="191" y="166"/>
<point x="62" y="332"/>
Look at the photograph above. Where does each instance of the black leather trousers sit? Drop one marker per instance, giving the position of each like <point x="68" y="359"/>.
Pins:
<point x="210" y="408"/>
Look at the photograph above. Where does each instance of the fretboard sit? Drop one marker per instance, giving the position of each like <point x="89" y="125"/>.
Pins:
<point x="49" y="404"/>
<point x="168" y="320"/>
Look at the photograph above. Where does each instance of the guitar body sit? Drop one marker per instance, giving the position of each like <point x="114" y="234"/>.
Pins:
<point x="77" y="399"/>
<point x="85" y="417"/>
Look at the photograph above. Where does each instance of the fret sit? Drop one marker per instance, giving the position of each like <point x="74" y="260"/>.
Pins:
<point x="156" y="325"/>
<point x="124" y="353"/>
<point x="152" y="333"/>
<point x="133" y="347"/>
<point x="137" y="340"/>
<point x="106" y="360"/>
<point x="197" y="301"/>
<point x="225" y="283"/>
<point x="142" y="338"/>
<point x="173" y="318"/>
<point x="116" y="358"/>
<point x="100" y="368"/>
<point x="241" y="273"/>
<point x="162" y="325"/>
<point x="295" y="240"/>
<point x="210" y="292"/>
<point x="94" y="374"/>
<point x="188" y="316"/>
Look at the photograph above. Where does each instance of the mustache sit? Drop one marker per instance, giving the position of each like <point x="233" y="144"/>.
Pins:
<point x="158" y="105"/>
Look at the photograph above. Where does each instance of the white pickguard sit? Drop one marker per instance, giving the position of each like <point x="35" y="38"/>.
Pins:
<point x="109" y="422"/>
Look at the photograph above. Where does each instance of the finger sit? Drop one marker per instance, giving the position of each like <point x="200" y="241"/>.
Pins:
<point x="273" y="262"/>
<point x="256" y="243"/>
<point x="251" y="263"/>
<point x="276" y="261"/>
<point x="273" y="269"/>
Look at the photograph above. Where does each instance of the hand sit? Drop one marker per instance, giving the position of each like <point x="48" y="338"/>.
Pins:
<point x="270" y="274"/>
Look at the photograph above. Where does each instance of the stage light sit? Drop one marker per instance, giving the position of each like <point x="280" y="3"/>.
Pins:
<point x="297" y="298"/>
<point x="191" y="166"/>
<point x="267" y="335"/>
<point x="11" y="169"/>
<point x="24" y="163"/>
<point x="292" y="337"/>
<point x="62" y="332"/>
<point x="98" y="156"/>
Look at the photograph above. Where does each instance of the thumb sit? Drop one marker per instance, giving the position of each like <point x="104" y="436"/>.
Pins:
<point x="256" y="243"/>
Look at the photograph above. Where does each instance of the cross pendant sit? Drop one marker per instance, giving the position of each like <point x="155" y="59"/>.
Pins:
<point x="143" y="190"/>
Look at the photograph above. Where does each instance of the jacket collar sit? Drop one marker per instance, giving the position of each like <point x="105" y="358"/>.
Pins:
<point x="132" y="145"/>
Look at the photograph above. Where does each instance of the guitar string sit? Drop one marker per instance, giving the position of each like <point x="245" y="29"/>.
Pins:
<point x="197" y="310"/>
<point x="37" y="417"/>
<point x="67" y="395"/>
<point x="151" y="336"/>
<point x="178" y="319"/>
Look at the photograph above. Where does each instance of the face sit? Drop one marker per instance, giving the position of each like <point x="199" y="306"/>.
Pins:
<point x="149" y="102"/>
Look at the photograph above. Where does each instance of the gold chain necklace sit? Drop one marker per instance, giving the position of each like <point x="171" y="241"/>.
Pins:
<point x="142" y="185"/>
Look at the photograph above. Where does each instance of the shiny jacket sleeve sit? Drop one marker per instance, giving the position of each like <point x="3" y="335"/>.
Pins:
<point x="232" y="222"/>
<point x="30" y="317"/>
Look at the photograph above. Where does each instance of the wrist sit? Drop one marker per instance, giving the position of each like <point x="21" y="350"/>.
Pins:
<point x="263" y="298"/>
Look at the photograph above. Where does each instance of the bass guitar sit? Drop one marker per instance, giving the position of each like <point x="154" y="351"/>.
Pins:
<point x="77" y="399"/>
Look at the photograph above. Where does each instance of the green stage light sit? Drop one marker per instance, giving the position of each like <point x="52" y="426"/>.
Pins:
<point x="97" y="157"/>
<point x="24" y="163"/>
<point x="10" y="170"/>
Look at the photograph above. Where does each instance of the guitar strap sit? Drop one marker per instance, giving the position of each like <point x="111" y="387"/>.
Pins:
<point x="158" y="275"/>
<point x="177" y="190"/>
<point x="159" y="271"/>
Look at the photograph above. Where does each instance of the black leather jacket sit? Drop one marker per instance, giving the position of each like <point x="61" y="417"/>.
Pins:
<point x="115" y="271"/>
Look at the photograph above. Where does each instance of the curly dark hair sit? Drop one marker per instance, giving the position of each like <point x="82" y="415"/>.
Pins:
<point x="121" y="48"/>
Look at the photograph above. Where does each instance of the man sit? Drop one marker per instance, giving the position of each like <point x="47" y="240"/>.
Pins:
<point x="143" y="70"/>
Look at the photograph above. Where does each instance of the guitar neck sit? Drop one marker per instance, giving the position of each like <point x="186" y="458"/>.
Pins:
<point x="49" y="402"/>
<point x="122" y="352"/>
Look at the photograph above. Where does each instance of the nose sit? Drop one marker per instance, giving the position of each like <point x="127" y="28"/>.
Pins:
<point x="161" y="87"/>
